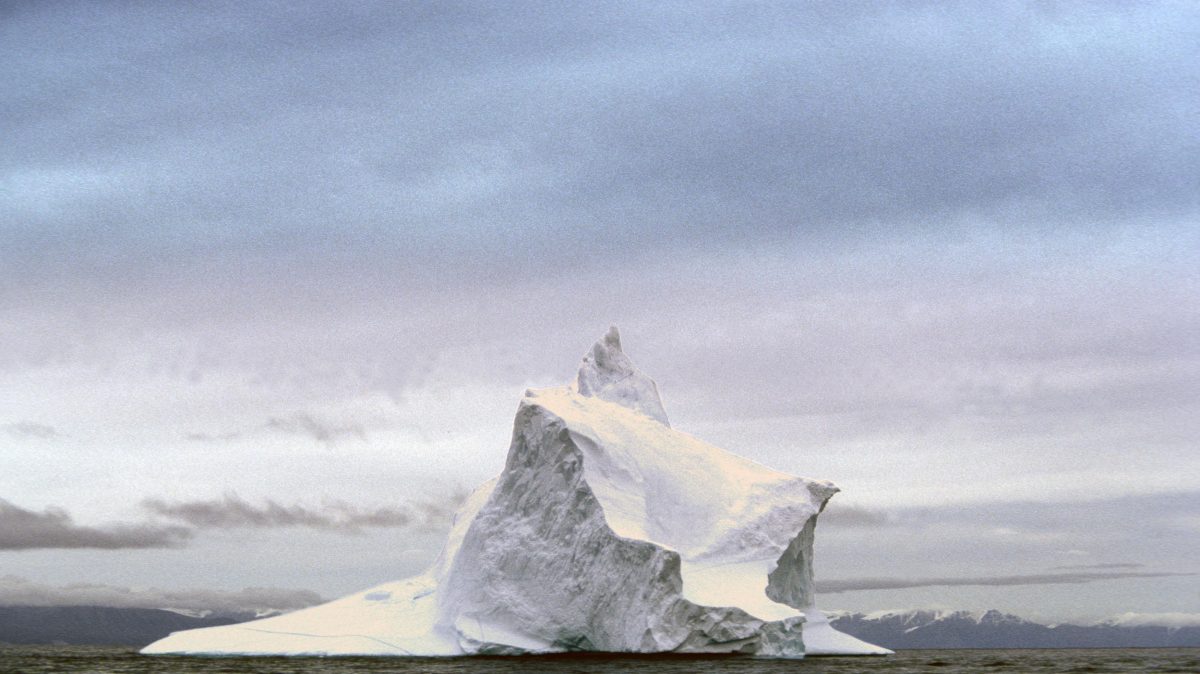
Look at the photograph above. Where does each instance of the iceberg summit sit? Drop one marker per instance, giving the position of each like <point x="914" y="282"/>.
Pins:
<point x="607" y="531"/>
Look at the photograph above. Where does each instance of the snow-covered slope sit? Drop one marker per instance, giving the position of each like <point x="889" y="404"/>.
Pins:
<point x="607" y="530"/>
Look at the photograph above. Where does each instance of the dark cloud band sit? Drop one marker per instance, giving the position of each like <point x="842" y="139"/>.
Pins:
<point x="853" y="517"/>
<point x="30" y="429"/>
<point x="22" y="529"/>
<point x="234" y="512"/>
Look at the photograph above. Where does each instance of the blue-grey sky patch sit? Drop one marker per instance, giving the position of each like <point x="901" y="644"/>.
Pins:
<point x="243" y="132"/>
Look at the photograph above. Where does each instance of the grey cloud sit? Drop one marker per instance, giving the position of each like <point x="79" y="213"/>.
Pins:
<point x="22" y="529"/>
<point x="30" y="429"/>
<point x="853" y="516"/>
<point x="231" y="511"/>
<point x="322" y="431"/>
<point x="18" y="591"/>
<point x="855" y="584"/>
<point x="435" y="515"/>
<point x="1086" y="567"/>
<point x="54" y="528"/>
<point x="212" y="437"/>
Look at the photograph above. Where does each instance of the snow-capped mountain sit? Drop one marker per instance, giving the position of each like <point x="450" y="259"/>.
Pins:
<point x="97" y="624"/>
<point x="929" y="628"/>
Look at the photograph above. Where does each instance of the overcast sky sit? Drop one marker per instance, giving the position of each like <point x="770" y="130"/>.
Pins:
<point x="274" y="276"/>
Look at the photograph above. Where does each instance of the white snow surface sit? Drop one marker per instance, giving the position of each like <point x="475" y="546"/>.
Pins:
<point x="607" y="530"/>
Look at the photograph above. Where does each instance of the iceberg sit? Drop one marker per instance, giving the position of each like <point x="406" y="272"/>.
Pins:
<point x="607" y="530"/>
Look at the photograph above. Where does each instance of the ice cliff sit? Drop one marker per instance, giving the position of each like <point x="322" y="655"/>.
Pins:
<point x="607" y="531"/>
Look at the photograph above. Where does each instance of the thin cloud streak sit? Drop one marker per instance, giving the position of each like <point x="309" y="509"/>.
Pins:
<point x="857" y="584"/>
<point x="22" y="529"/>
<point x="30" y="429"/>
<point x="233" y="512"/>
<point x="1086" y="567"/>
<point x="302" y="423"/>
<point x="212" y="437"/>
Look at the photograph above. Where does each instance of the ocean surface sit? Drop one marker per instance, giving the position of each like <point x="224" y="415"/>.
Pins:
<point x="110" y="660"/>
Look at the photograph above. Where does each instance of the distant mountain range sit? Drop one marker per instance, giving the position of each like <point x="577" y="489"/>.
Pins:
<point x="97" y="624"/>
<point x="993" y="629"/>
<point x="137" y="627"/>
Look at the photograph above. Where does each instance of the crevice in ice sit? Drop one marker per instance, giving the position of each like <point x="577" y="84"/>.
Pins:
<point x="329" y="636"/>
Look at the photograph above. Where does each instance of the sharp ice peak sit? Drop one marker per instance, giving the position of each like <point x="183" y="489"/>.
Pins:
<point x="607" y="373"/>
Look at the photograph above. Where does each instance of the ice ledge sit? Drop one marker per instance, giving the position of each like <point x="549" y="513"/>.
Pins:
<point x="608" y="374"/>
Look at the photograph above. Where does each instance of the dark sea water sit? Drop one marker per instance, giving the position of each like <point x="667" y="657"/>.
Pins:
<point x="107" y="660"/>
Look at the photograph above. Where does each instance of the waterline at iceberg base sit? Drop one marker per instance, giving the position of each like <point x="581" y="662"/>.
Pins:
<point x="607" y="531"/>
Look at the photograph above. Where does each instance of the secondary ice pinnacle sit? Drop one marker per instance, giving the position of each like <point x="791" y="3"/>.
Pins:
<point x="608" y="374"/>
